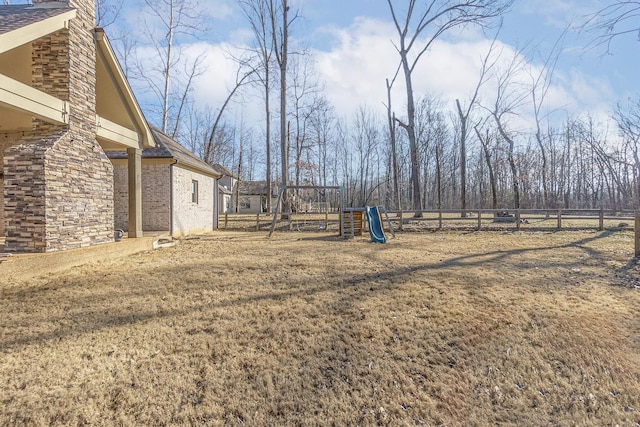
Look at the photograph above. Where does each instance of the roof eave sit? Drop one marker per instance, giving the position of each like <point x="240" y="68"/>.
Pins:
<point x="189" y="166"/>
<point x="28" y="33"/>
<point x="111" y="62"/>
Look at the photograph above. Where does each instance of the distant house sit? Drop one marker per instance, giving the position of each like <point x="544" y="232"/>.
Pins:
<point x="179" y="191"/>
<point x="226" y="186"/>
<point x="64" y="103"/>
<point x="252" y="196"/>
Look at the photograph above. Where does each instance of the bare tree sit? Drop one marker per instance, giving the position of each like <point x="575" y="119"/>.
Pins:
<point x="617" y="19"/>
<point x="417" y="32"/>
<point x="281" y="22"/>
<point x="258" y="15"/>
<point x="107" y="12"/>
<point x="485" y="140"/>
<point x="165" y="22"/>
<point x="541" y="79"/>
<point x="305" y="99"/>
<point x="242" y="78"/>
<point x="628" y="119"/>
<point x="322" y="122"/>
<point x="509" y="98"/>
<point x="391" y="122"/>
<point x="191" y="73"/>
<point x="464" y="114"/>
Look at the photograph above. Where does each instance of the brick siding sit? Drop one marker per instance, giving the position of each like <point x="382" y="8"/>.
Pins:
<point x="156" y="196"/>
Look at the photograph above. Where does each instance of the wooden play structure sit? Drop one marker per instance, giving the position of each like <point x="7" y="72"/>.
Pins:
<point x="352" y="223"/>
<point x="351" y="220"/>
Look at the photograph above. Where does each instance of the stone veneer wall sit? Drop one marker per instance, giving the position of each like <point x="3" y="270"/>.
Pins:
<point x="25" y="194"/>
<point x="59" y="187"/>
<point x="156" y="195"/>
<point x="5" y="142"/>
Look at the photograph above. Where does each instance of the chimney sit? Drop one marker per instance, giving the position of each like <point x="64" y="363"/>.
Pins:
<point x="58" y="184"/>
<point x="64" y="63"/>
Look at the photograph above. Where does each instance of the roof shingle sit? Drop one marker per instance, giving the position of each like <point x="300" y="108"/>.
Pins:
<point x="13" y="17"/>
<point x="167" y="148"/>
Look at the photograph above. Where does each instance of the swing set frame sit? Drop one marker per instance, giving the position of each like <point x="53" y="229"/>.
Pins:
<point x="283" y="188"/>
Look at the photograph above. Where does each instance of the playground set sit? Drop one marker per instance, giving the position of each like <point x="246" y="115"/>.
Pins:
<point x="351" y="220"/>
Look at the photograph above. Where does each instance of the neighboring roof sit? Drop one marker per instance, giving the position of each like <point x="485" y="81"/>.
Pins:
<point x="223" y="171"/>
<point x="17" y="16"/>
<point x="167" y="148"/>
<point x="253" y="188"/>
<point x="223" y="189"/>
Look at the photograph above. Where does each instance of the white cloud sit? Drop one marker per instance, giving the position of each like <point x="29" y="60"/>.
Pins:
<point x="360" y="58"/>
<point x="356" y="67"/>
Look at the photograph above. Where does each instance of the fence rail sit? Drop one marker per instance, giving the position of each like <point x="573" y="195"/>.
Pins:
<point x="517" y="218"/>
<point x="478" y="219"/>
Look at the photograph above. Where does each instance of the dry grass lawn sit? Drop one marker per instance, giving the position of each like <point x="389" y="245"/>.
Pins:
<point x="435" y="329"/>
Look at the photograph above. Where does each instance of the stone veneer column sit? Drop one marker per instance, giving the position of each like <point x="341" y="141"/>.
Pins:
<point x="59" y="186"/>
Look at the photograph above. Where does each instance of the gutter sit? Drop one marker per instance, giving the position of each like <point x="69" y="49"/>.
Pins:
<point x="171" y="196"/>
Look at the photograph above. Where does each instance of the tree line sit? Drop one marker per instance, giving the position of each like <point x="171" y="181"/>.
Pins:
<point x="502" y="147"/>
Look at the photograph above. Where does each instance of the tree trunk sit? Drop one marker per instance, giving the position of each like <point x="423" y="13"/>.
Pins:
<point x="492" y="178"/>
<point x="463" y="160"/>
<point x="416" y="200"/>
<point x="394" y="150"/>
<point x="267" y="109"/>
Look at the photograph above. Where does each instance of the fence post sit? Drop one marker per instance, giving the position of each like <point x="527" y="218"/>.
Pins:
<point x="559" y="219"/>
<point x="226" y="219"/>
<point x="601" y="220"/>
<point x="517" y="219"/>
<point x="479" y="219"/>
<point x="258" y="221"/>
<point x="637" y="235"/>
<point x="439" y="218"/>
<point x="401" y="221"/>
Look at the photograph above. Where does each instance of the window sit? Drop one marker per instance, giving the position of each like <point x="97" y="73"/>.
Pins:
<point x="194" y="191"/>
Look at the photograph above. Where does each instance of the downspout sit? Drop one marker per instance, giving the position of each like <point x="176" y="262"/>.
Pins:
<point x="216" y="203"/>
<point x="171" y="196"/>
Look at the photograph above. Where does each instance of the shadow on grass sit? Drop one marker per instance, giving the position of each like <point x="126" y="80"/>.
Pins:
<point x="109" y="310"/>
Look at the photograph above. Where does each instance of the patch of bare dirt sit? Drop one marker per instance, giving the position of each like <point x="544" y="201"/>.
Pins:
<point x="456" y="329"/>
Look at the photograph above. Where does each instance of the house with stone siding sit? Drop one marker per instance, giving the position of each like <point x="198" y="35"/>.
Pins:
<point x="64" y="104"/>
<point x="179" y="191"/>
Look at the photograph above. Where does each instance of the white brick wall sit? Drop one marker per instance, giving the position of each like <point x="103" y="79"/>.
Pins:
<point x="189" y="217"/>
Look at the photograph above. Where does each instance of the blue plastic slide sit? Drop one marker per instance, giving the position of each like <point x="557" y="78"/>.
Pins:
<point x="375" y="225"/>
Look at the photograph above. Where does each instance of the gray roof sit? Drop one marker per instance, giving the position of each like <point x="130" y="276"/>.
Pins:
<point x="167" y="148"/>
<point x="223" y="171"/>
<point x="253" y="188"/>
<point x="13" y="17"/>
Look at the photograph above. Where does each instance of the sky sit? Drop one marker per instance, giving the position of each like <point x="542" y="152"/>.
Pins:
<point x="351" y="43"/>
